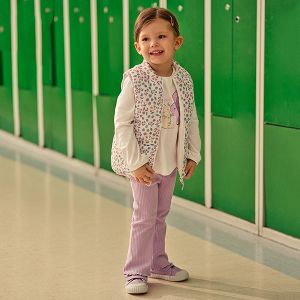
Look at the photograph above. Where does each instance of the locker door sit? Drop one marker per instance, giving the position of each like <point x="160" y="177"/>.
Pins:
<point x="135" y="7"/>
<point x="282" y="122"/>
<point x="81" y="79"/>
<point x="6" y="103"/>
<point x="110" y="49"/>
<point x="190" y="16"/>
<point x="233" y="107"/>
<point x="53" y="75"/>
<point x="27" y="70"/>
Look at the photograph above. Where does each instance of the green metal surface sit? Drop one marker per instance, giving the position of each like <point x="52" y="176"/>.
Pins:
<point x="54" y="75"/>
<point x="282" y="63"/>
<point x="282" y="167"/>
<point x="80" y="44"/>
<point x="282" y="107"/>
<point x="106" y="110"/>
<point x="110" y="48"/>
<point x="6" y="101"/>
<point x="222" y="64"/>
<point x="190" y="16"/>
<point x="233" y="138"/>
<point x="83" y="126"/>
<point x="27" y="70"/>
<point x="28" y="116"/>
<point x="81" y="79"/>
<point x="135" y="7"/>
<point x="55" y="119"/>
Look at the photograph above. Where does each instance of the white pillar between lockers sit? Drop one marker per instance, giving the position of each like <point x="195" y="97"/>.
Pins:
<point x="126" y="59"/>
<point x="39" y="79"/>
<point x="163" y="3"/>
<point x="259" y="144"/>
<point x="95" y="80"/>
<point x="14" y="60"/>
<point x="207" y="104"/>
<point x="69" y="118"/>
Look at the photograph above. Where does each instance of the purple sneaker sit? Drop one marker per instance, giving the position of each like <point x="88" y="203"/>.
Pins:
<point x="170" y="273"/>
<point x="136" y="285"/>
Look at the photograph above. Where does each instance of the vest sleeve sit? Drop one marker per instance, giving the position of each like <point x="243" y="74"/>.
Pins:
<point x="194" y="138"/>
<point x="124" y="118"/>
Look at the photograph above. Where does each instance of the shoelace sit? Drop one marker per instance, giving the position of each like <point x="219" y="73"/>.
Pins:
<point x="130" y="280"/>
<point x="170" y="269"/>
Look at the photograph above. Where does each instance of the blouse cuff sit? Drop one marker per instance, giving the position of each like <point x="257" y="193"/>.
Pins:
<point x="143" y="160"/>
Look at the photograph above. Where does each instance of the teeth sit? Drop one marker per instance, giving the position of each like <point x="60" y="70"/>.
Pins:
<point x="155" y="52"/>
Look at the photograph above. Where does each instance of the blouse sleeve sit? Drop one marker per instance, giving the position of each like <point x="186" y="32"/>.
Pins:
<point x="124" y="119"/>
<point x="194" y="138"/>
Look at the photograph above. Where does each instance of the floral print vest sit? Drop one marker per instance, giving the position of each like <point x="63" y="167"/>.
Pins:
<point x="148" y="93"/>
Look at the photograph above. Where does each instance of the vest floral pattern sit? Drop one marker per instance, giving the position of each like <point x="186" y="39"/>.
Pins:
<point x="148" y="113"/>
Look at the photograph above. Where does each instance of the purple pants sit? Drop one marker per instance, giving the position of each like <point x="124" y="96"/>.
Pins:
<point x="151" y="205"/>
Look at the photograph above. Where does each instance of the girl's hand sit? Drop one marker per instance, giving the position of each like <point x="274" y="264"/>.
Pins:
<point x="144" y="174"/>
<point x="190" y="168"/>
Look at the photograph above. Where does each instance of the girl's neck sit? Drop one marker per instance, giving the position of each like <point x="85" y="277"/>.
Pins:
<point x="164" y="70"/>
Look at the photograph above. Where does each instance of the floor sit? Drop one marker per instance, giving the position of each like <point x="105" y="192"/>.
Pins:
<point x="64" y="235"/>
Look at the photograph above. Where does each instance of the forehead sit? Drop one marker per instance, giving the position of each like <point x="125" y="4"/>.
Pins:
<point x="156" y="26"/>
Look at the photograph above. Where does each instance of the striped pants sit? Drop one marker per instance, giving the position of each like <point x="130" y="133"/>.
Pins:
<point x="151" y="205"/>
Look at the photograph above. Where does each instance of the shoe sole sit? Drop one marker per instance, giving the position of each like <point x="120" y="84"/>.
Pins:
<point x="137" y="288"/>
<point x="180" y="276"/>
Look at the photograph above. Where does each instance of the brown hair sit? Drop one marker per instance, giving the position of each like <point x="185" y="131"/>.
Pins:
<point x="150" y="14"/>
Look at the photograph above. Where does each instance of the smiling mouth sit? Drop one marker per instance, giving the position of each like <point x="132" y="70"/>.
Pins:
<point x="156" y="52"/>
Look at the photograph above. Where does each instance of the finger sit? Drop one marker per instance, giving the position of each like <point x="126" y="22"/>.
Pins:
<point x="190" y="173"/>
<point x="146" y="182"/>
<point x="147" y="179"/>
<point x="148" y="167"/>
<point x="148" y="174"/>
<point x="187" y="168"/>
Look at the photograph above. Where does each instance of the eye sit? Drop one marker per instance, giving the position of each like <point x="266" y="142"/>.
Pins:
<point x="145" y="39"/>
<point x="161" y="36"/>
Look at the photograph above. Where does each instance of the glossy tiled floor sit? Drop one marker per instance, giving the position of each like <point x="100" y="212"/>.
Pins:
<point x="65" y="236"/>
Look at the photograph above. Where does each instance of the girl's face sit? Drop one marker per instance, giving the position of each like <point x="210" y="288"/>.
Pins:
<point x="157" y="44"/>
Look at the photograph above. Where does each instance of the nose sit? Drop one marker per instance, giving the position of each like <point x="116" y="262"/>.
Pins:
<point x="154" y="43"/>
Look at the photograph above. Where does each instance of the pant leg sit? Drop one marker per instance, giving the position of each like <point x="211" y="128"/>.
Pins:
<point x="165" y="193"/>
<point x="142" y="228"/>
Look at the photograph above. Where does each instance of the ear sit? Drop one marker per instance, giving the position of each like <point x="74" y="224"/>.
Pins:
<point x="137" y="47"/>
<point x="178" y="42"/>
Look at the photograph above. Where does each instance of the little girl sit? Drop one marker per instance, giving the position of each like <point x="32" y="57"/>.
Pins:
<point x="156" y="134"/>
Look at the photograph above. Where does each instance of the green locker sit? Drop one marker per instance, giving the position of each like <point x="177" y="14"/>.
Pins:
<point x="222" y="58"/>
<point x="27" y="71"/>
<point x="233" y="123"/>
<point x="190" y="16"/>
<point x="282" y="107"/>
<point x="135" y="7"/>
<point x="6" y="100"/>
<point x="105" y="112"/>
<point x="110" y="48"/>
<point x="53" y="75"/>
<point x="81" y="79"/>
<point x="110" y="56"/>
<point x="282" y="48"/>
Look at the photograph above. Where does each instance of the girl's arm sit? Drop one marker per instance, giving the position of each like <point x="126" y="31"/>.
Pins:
<point x="124" y="119"/>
